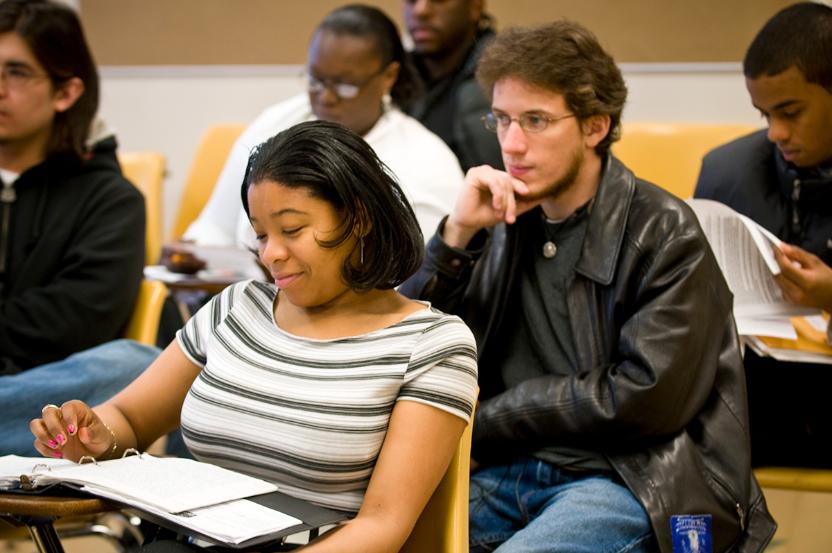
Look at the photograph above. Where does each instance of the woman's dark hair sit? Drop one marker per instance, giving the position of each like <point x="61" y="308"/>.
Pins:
<point x="339" y="167"/>
<point x="371" y="23"/>
<point x="563" y="57"/>
<point x="799" y="36"/>
<point x="54" y="34"/>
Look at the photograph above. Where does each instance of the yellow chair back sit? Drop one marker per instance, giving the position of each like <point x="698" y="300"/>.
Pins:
<point x="794" y="478"/>
<point x="146" y="170"/>
<point x="144" y="322"/>
<point x="670" y="154"/>
<point x="208" y="161"/>
<point x="443" y="525"/>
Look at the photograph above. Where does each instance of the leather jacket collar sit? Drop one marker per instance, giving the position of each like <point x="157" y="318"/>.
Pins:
<point x="607" y="222"/>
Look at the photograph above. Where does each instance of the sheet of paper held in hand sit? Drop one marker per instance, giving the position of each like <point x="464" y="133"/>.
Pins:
<point x="744" y="252"/>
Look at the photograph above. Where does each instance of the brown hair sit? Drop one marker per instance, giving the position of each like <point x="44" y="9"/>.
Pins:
<point x="566" y="58"/>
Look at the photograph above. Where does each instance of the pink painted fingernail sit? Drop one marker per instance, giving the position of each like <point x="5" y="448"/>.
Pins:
<point x="70" y="428"/>
<point x="52" y="443"/>
<point x="61" y="438"/>
<point x="58" y="455"/>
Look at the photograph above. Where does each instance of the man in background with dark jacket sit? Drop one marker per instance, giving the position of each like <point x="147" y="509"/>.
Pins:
<point x="612" y="411"/>
<point x="448" y="37"/>
<point x="71" y="227"/>
<point x="781" y="178"/>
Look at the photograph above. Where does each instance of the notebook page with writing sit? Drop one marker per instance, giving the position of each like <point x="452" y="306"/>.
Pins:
<point x="171" y="484"/>
<point x="236" y="521"/>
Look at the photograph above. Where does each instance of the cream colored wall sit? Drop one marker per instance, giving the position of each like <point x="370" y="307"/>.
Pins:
<point x="167" y="108"/>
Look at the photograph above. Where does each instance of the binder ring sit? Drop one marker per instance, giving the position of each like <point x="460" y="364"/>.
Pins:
<point x="131" y="451"/>
<point x="87" y="458"/>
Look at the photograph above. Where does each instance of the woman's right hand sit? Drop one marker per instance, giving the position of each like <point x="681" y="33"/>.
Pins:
<point x="71" y="431"/>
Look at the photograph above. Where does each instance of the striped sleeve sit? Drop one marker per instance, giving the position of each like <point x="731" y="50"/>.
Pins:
<point x="443" y="368"/>
<point x="193" y="337"/>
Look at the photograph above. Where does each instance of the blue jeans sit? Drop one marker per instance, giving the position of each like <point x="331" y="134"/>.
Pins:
<point x="93" y="375"/>
<point x="531" y="506"/>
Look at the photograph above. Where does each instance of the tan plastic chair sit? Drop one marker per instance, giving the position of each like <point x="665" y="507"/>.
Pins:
<point x="792" y="478"/>
<point x="144" y="322"/>
<point x="146" y="170"/>
<point x="208" y="161"/>
<point x="670" y="154"/>
<point x="443" y="525"/>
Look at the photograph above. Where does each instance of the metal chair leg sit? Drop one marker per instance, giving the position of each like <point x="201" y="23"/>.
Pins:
<point x="45" y="536"/>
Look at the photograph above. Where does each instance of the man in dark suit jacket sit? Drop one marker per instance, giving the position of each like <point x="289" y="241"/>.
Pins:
<point x="781" y="177"/>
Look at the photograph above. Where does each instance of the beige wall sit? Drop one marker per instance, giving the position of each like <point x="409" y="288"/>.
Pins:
<point x="159" y="109"/>
<point x="188" y="32"/>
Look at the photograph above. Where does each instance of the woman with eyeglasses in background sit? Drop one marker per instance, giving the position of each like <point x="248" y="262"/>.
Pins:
<point x="356" y="76"/>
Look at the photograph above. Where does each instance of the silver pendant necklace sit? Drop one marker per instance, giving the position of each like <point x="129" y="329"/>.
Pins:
<point x="550" y="249"/>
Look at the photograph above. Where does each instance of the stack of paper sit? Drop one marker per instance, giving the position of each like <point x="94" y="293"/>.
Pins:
<point x="809" y="346"/>
<point x="199" y="496"/>
<point x="232" y="522"/>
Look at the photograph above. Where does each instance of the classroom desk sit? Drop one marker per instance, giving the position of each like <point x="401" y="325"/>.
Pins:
<point x="224" y="266"/>
<point x="39" y="512"/>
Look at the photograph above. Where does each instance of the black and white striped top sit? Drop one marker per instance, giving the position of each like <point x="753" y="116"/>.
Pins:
<point x="311" y="414"/>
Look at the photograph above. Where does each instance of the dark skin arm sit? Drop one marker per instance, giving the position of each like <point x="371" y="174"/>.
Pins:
<point x="804" y="278"/>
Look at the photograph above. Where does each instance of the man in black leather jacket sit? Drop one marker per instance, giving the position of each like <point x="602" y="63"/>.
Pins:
<point x="781" y="178"/>
<point x="613" y="408"/>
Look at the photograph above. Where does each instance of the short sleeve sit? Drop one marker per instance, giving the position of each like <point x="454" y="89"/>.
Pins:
<point x="443" y="368"/>
<point x="194" y="336"/>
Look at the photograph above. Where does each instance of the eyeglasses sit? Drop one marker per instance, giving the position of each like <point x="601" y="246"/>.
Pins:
<point x="529" y="122"/>
<point x="344" y="91"/>
<point x="19" y="76"/>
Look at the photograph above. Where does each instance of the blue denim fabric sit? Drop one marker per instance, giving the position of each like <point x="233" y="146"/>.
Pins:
<point x="93" y="375"/>
<point x="531" y="506"/>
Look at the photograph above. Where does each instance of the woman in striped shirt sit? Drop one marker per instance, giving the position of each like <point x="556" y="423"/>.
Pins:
<point x="326" y="381"/>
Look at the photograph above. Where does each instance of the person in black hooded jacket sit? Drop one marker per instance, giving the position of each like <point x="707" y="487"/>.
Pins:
<point x="71" y="227"/>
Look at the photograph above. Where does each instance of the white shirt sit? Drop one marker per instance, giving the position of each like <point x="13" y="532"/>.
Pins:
<point x="426" y="169"/>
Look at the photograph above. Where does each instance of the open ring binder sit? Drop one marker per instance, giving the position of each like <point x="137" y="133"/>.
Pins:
<point x="198" y="499"/>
